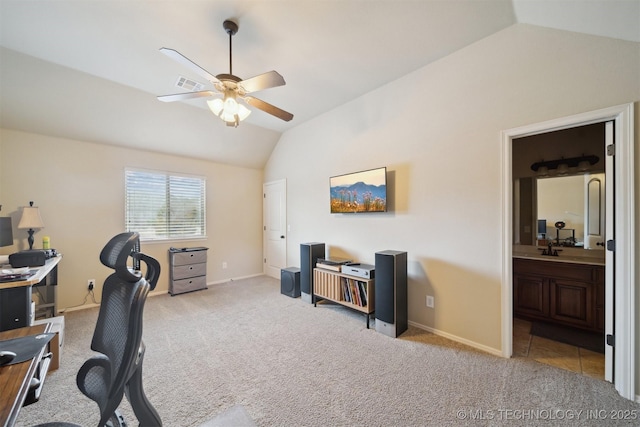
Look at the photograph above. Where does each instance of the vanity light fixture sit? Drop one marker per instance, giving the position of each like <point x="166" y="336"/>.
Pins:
<point x="582" y="163"/>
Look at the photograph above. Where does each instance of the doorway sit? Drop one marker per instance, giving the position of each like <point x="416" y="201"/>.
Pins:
<point x="621" y="326"/>
<point x="274" y="213"/>
<point x="559" y="312"/>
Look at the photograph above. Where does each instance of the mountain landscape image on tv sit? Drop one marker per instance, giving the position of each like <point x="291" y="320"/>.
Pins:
<point x="359" y="192"/>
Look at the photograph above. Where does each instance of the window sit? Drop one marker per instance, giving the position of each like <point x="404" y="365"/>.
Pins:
<point x="162" y="206"/>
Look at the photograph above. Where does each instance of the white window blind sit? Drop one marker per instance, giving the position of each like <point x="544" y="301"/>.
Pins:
<point x="162" y="206"/>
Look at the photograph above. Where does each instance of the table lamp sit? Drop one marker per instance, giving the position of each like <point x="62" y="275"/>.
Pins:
<point x="30" y="219"/>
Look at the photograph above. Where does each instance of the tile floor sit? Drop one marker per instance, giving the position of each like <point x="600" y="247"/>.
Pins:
<point x="555" y="353"/>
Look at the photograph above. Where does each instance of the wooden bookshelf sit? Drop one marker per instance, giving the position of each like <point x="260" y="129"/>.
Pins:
<point x="353" y="292"/>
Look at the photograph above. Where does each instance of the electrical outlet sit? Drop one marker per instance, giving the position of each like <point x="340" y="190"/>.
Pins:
<point x="224" y="264"/>
<point x="430" y="301"/>
<point x="91" y="283"/>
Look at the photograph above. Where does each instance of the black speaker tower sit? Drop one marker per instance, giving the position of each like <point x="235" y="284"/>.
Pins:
<point x="309" y="254"/>
<point x="391" y="293"/>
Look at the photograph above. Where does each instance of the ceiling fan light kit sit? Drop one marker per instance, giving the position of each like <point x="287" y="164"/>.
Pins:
<point x="229" y="110"/>
<point x="232" y="87"/>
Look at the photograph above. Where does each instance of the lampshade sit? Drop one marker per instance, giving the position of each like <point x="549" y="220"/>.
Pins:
<point x="584" y="166"/>
<point x="543" y="171"/>
<point x="229" y="110"/>
<point x="30" y="217"/>
<point x="563" y="169"/>
<point x="6" y="232"/>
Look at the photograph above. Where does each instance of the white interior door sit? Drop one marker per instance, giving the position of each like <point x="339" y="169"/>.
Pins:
<point x="609" y="233"/>
<point x="274" y="230"/>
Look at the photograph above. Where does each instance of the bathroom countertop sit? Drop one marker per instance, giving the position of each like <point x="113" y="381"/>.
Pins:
<point x="569" y="255"/>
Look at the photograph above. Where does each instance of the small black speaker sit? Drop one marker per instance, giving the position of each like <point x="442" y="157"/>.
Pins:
<point x="391" y="293"/>
<point x="309" y="254"/>
<point x="290" y="282"/>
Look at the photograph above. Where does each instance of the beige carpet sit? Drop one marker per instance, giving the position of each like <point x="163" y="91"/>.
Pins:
<point x="286" y="363"/>
<point x="235" y="416"/>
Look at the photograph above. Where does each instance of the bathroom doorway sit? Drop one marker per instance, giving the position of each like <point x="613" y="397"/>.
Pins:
<point x="559" y="312"/>
<point x="619" y="363"/>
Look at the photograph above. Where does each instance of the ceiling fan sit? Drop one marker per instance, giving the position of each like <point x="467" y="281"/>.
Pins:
<point x="230" y="87"/>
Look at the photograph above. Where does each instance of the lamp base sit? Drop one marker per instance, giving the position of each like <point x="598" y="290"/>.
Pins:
<point x="30" y="238"/>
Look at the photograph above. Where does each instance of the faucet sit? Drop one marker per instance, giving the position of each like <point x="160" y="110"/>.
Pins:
<point x="550" y="251"/>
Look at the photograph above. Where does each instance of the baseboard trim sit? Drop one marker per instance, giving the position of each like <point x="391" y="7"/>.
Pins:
<point x="78" y="308"/>
<point x="478" y="346"/>
<point x="158" y="292"/>
<point x="220" y="282"/>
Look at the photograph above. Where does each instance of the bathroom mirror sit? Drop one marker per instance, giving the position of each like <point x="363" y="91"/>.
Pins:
<point x="561" y="202"/>
<point x="575" y="200"/>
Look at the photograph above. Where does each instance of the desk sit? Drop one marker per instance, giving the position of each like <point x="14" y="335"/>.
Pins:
<point x="15" y="379"/>
<point x="15" y="297"/>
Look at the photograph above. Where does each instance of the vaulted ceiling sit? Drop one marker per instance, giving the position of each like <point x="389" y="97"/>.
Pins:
<point x="91" y="70"/>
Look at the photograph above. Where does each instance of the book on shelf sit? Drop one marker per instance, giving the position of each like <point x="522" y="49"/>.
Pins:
<point x="345" y="289"/>
<point x="362" y="287"/>
<point x="354" y="291"/>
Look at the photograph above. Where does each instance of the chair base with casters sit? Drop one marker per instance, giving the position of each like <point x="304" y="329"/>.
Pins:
<point x="117" y="370"/>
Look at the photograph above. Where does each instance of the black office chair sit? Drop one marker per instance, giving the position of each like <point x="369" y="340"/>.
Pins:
<point x="117" y="371"/>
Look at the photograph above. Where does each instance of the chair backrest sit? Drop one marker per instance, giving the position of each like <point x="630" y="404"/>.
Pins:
<point x="118" y="332"/>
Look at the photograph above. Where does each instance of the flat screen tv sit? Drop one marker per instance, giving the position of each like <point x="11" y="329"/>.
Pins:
<point x="359" y="192"/>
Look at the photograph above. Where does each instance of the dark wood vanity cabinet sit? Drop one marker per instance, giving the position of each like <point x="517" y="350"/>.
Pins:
<point x="530" y="295"/>
<point x="564" y="293"/>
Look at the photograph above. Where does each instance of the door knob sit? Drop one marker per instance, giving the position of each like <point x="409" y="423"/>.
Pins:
<point x="282" y="237"/>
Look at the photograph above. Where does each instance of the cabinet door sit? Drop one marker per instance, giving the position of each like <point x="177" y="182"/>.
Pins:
<point x="530" y="295"/>
<point x="598" y="311"/>
<point x="572" y="302"/>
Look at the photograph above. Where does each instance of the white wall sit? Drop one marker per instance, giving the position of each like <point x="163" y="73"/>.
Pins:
<point x="79" y="187"/>
<point x="438" y="132"/>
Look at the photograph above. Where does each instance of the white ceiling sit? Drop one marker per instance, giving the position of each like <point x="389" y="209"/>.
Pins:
<point x="90" y="70"/>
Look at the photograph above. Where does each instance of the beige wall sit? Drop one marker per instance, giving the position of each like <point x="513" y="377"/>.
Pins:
<point x="438" y="131"/>
<point x="79" y="187"/>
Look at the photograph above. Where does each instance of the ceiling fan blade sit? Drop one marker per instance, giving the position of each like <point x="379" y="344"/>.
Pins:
<point x="178" y="57"/>
<point x="268" y="108"/>
<point x="185" y="96"/>
<point x="262" y="81"/>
